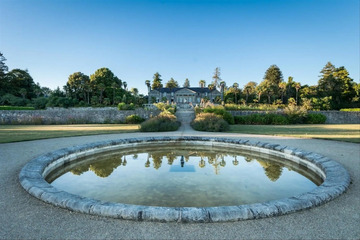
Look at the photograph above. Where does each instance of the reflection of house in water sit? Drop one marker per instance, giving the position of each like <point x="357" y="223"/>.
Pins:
<point x="184" y="95"/>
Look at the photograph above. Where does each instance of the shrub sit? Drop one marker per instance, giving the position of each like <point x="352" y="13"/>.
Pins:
<point x="124" y="106"/>
<point x="161" y="123"/>
<point x="295" y="113"/>
<point x="134" y="119"/>
<point x="166" y="107"/>
<point x="209" y="122"/>
<point x="315" y="118"/>
<point x="220" y="111"/>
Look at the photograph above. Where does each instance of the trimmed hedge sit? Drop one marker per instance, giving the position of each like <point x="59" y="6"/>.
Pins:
<point x="350" y="110"/>
<point x="209" y="122"/>
<point x="277" y="119"/>
<point x="262" y="119"/>
<point x="16" y="108"/>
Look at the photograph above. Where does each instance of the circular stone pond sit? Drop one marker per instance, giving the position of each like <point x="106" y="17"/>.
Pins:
<point x="184" y="179"/>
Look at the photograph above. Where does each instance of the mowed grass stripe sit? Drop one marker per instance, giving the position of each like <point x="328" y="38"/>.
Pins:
<point x="16" y="133"/>
<point x="339" y="132"/>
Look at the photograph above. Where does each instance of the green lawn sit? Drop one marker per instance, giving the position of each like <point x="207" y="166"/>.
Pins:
<point x="339" y="132"/>
<point x="17" y="133"/>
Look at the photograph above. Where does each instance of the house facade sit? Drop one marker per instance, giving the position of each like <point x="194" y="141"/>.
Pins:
<point x="184" y="95"/>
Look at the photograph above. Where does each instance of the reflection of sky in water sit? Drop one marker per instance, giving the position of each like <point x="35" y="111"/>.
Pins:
<point x="222" y="181"/>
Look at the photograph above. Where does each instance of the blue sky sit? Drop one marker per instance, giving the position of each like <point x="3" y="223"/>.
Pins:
<point x="179" y="39"/>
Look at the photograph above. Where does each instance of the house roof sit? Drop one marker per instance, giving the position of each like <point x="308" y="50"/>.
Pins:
<point x="195" y="89"/>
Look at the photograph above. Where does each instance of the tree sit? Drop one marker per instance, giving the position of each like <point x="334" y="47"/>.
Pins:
<point x="101" y="88"/>
<point x="211" y="86"/>
<point x="216" y="77"/>
<point x="3" y="80"/>
<point x="76" y="85"/>
<point x="114" y="86"/>
<point x="18" y="79"/>
<point x="272" y="78"/>
<point x="3" y="67"/>
<point x="186" y="83"/>
<point x="335" y="82"/>
<point x="249" y="89"/>
<point x="290" y="87"/>
<point x="147" y="82"/>
<point x="282" y="90"/>
<point x="106" y="77"/>
<point x="260" y="90"/>
<point x="124" y="85"/>
<point x="23" y="92"/>
<point x="134" y="91"/>
<point x="157" y="81"/>
<point x="172" y="84"/>
<point x="236" y="86"/>
<point x="297" y="87"/>
<point x="202" y="83"/>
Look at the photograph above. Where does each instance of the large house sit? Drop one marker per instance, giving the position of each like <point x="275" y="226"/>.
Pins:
<point x="184" y="95"/>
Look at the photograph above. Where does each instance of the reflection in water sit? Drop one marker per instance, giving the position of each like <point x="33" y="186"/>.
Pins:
<point x="183" y="176"/>
<point x="105" y="167"/>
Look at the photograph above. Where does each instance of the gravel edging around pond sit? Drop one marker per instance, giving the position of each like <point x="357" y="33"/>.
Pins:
<point x="336" y="181"/>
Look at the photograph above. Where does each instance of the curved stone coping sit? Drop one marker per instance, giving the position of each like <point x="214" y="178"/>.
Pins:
<point x="336" y="181"/>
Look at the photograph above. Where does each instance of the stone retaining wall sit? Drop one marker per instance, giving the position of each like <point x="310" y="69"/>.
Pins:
<point x="332" y="117"/>
<point x="71" y="115"/>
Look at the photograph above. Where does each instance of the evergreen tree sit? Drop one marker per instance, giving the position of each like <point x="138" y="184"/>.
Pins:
<point x="157" y="81"/>
<point x="172" y="84"/>
<point x="273" y="77"/>
<point x="216" y="77"/>
<point x="186" y="83"/>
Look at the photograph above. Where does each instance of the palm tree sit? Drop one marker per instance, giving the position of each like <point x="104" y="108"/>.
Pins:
<point x="222" y="88"/>
<point x="202" y="83"/>
<point x="235" y="86"/>
<point x="282" y="88"/>
<point x="211" y="87"/>
<point x="297" y="87"/>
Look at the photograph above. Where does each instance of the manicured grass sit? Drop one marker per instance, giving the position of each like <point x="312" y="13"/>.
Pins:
<point x="17" y="133"/>
<point x="339" y="132"/>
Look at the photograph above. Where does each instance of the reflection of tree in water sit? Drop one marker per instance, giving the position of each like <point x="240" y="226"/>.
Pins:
<point x="235" y="161"/>
<point x="249" y="159"/>
<point x="147" y="163"/>
<point x="157" y="159"/>
<point x="272" y="170"/>
<point x="106" y="167"/>
<point x="80" y="169"/>
<point x="171" y="156"/>
<point x="202" y="163"/>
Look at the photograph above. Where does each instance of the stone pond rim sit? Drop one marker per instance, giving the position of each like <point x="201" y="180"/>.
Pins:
<point x="335" y="176"/>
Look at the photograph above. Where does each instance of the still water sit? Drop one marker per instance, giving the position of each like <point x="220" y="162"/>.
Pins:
<point x="184" y="177"/>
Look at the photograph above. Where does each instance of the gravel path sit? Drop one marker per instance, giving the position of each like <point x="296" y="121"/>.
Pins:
<point x="25" y="217"/>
